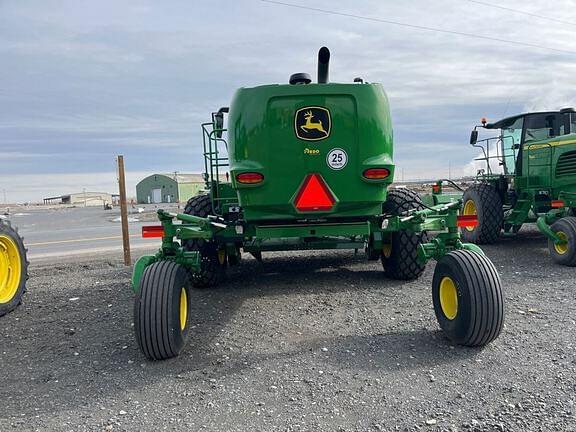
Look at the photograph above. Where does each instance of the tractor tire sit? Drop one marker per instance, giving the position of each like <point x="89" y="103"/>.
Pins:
<point x="482" y="199"/>
<point x="400" y="256"/>
<point x="213" y="261"/>
<point x="467" y="297"/>
<point x="13" y="268"/>
<point x="162" y="310"/>
<point x="564" y="254"/>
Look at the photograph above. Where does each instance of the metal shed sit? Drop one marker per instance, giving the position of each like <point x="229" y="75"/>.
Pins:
<point x="166" y="188"/>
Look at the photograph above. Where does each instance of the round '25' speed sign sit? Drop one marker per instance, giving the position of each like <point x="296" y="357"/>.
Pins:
<point x="337" y="159"/>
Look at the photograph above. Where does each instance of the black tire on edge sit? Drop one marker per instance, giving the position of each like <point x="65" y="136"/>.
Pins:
<point x="467" y="297"/>
<point x="213" y="261"/>
<point x="12" y="254"/>
<point x="486" y="203"/>
<point x="162" y="310"/>
<point x="400" y="256"/>
<point x="564" y="254"/>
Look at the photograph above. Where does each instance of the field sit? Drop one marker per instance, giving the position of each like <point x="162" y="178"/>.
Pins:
<point x="317" y="341"/>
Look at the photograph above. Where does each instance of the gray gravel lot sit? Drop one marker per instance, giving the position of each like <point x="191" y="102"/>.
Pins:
<point x="316" y="341"/>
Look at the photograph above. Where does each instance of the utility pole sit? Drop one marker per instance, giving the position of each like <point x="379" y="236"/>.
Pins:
<point x="124" y="211"/>
<point x="449" y="170"/>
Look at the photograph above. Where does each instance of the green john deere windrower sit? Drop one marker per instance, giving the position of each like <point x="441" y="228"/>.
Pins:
<point x="537" y="153"/>
<point x="309" y="167"/>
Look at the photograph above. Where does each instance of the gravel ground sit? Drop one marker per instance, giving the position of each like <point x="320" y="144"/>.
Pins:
<point x="316" y="341"/>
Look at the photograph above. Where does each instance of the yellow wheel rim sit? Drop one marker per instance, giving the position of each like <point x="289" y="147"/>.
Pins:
<point x="183" y="308"/>
<point x="561" y="248"/>
<point x="448" y="298"/>
<point x="470" y="210"/>
<point x="387" y="250"/>
<point x="10" y="268"/>
<point x="222" y="256"/>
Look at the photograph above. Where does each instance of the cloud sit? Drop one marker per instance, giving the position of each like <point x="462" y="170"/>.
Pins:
<point x="85" y="81"/>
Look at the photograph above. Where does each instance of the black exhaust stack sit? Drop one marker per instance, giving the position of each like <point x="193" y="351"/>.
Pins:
<point x="323" y="65"/>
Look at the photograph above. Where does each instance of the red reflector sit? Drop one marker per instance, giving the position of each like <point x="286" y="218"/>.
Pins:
<point x="152" y="231"/>
<point x="376" y="173"/>
<point x="557" y="204"/>
<point x="469" y="221"/>
<point x="249" y="178"/>
<point x="314" y="195"/>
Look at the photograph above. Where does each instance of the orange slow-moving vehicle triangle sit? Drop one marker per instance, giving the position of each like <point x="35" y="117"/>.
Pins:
<point x="314" y="195"/>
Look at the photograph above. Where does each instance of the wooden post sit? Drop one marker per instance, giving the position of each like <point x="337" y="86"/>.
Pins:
<point x="124" y="211"/>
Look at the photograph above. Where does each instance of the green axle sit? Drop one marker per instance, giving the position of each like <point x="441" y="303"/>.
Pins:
<point x="442" y="218"/>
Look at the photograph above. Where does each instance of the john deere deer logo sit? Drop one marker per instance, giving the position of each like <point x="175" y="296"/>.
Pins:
<point x="312" y="123"/>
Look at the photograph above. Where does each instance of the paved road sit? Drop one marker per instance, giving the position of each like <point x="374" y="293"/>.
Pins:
<point x="50" y="233"/>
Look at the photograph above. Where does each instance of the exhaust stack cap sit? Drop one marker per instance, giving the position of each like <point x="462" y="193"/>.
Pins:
<point x="300" y="78"/>
<point x="323" y="65"/>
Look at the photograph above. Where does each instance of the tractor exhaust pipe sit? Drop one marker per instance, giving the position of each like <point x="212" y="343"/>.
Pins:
<point x="323" y="65"/>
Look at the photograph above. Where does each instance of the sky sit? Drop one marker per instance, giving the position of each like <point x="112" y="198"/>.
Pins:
<point x="83" y="81"/>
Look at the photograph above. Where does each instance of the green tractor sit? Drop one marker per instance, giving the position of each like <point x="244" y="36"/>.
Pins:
<point x="537" y="153"/>
<point x="13" y="268"/>
<point x="309" y="167"/>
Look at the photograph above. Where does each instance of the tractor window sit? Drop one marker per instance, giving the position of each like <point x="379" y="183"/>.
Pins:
<point x="543" y="126"/>
<point x="510" y="142"/>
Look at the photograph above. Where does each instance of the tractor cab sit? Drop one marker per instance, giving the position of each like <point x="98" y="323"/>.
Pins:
<point x="519" y="133"/>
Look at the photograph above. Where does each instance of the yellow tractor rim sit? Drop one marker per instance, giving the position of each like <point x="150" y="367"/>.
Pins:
<point x="563" y="247"/>
<point x="448" y="298"/>
<point x="183" y="308"/>
<point x="469" y="210"/>
<point x="387" y="250"/>
<point x="10" y="269"/>
<point x="222" y="256"/>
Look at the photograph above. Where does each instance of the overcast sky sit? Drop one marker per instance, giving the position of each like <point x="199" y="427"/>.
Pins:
<point x="83" y="81"/>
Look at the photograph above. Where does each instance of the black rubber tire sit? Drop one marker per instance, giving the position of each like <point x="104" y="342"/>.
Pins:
<point x="157" y="310"/>
<point x="490" y="214"/>
<point x="566" y="225"/>
<point x="402" y="261"/>
<point x="7" y="231"/>
<point x="480" y="306"/>
<point x="212" y="267"/>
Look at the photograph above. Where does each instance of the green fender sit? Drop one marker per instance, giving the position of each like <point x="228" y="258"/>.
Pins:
<point x="139" y="266"/>
<point x="472" y="247"/>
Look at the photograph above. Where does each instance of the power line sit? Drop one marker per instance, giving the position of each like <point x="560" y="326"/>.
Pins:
<point x="492" y="5"/>
<point x="415" y="26"/>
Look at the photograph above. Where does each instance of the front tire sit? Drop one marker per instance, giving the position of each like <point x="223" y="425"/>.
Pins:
<point x="162" y="310"/>
<point x="467" y="297"/>
<point x="400" y="255"/>
<point x="482" y="200"/>
<point x="564" y="254"/>
<point x="13" y="268"/>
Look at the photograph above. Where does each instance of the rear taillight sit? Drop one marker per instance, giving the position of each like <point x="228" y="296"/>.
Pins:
<point x="249" y="178"/>
<point x="557" y="204"/>
<point x="467" y="221"/>
<point x="376" y="173"/>
<point x="152" y="231"/>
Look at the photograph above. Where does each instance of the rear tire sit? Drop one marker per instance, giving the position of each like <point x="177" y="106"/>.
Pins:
<point x="213" y="261"/>
<point x="467" y="297"/>
<point x="400" y="256"/>
<point x="564" y="254"/>
<point x="13" y="268"/>
<point x="162" y="310"/>
<point x="482" y="199"/>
